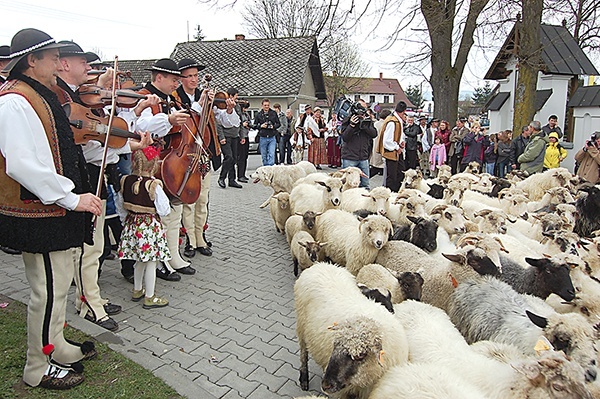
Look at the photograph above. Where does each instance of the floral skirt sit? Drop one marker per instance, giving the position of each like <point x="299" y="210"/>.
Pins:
<point x="317" y="154"/>
<point x="143" y="239"/>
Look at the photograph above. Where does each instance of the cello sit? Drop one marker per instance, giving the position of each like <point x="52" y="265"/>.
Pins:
<point x="185" y="165"/>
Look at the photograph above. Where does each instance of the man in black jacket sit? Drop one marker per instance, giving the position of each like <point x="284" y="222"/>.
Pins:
<point x="267" y="123"/>
<point x="518" y="147"/>
<point x="358" y="133"/>
<point x="411" y="131"/>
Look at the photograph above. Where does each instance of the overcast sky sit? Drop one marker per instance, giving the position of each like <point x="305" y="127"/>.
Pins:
<point x="138" y="30"/>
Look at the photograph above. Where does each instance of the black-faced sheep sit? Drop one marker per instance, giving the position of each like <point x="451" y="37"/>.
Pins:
<point x="380" y="296"/>
<point x="545" y="276"/>
<point x="421" y="232"/>
<point x="489" y="309"/>
<point x="498" y="185"/>
<point x="402" y="286"/>
<point x="588" y="211"/>
<point x="305" y="251"/>
<point x="353" y="339"/>
<point x="301" y="221"/>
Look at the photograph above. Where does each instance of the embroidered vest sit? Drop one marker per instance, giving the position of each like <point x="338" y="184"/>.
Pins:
<point x="391" y="155"/>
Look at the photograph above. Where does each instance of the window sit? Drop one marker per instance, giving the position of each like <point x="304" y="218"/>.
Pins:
<point x="386" y="99"/>
<point x="371" y="99"/>
<point x="356" y="97"/>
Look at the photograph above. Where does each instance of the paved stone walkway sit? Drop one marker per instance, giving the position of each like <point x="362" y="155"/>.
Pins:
<point x="229" y="330"/>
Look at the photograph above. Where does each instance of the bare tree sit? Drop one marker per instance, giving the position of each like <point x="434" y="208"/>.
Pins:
<point x="580" y="17"/>
<point x="344" y="68"/>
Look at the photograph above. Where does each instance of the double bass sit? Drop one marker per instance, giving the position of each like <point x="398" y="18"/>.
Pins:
<point x="187" y="160"/>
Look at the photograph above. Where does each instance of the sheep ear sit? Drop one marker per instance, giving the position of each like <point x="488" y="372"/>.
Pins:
<point x="380" y="358"/>
<point x="439" y="209"/>
<point x="361" y="225"/>
<point x="318" y="214"/>
<point x="299" y="214"/>
<point x="511" y="219"/>
<point x="366" y="195"/>
<point x="502" y="248"/>
<point x="413" y="219"/>
<point x="322" y="244"/>
<point x="539" y="321"/>
<point x="537" y="263"/>
<point x="530" y="370"/>
<point x="321" y="183"/>
<point x="302" y="244"/>
<point x="458" y="258"/>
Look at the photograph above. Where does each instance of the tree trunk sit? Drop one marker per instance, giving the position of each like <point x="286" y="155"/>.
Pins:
<point x="529" y="62"/>
<point x="445" y="86"/>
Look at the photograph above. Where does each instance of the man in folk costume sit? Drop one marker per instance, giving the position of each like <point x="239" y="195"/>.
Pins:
<point x="391" y="146"/>
<point x="74" y="73"/>
<point x="42" y="203"/>
<point x="195" y="216"/>
<point x="159" y="121"/>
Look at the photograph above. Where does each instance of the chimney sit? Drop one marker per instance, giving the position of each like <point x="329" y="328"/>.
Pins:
<point x="240" y="36"/>
<point x="380" y="75"/>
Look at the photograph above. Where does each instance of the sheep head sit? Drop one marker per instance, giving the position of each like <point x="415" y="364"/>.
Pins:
<point x="313" y="249"/>
<point x="333" y="191"/>
<point x="309" y="218"/>
<point x="477" y="259"/>
<point x="555" y="374"/>
<point x="381" y="199"/>
<point x="375" y="229"/>
<point x="554" y="277"/>
<point x="424" y="233"/>
<point x="383" y="298"/>
<point x="283" y="199"/>
<point x="355" y="361"/>
<point x="451" y="218"/>
<point x="411" y="285"/>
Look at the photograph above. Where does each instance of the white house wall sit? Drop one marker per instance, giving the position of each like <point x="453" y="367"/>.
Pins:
<point x="587" y="121"/>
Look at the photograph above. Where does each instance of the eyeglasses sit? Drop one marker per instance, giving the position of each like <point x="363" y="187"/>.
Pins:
<point x="193" y="75"/>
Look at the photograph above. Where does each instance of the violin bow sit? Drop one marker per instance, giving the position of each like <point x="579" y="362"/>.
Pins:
<point x="111" y="118"/>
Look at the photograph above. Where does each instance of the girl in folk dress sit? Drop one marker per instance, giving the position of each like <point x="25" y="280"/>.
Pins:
<point x="143" y="238"/>
<point x="437" y="155"/>
<point x="334" y="152"/>
<point x="299" y="143"/>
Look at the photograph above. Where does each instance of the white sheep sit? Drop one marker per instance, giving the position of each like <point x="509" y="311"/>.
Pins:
<point x="424" y="381"/>
<point x="484" y="185"/>
<point x="375" y="201"/>
<point x="350" y="175"/>
<point x="407" y="203"/>
<point x="433" y="340"/>
<point x="444" y="174"/>
<point x="280" y="210"/>
<point x="551" y="198"/>
<point x="313" y="178"/>
<point x="402" y="286"/>
<point x="279" y="177"/>
<point x="489" y="309"/>
<point x="413" y="179"/>
<point x="316" y="197"/>
<point x="452" y="218"/>
<point x="305" y="251"/>
<point x="538" y="184"/>
<point x="336" y="324"/>
<point x="301" y="221"/>
<point x="440" y="275"/>
<point x="351" y="242"/>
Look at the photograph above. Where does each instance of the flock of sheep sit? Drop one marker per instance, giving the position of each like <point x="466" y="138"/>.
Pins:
<point x="463" y="286"/>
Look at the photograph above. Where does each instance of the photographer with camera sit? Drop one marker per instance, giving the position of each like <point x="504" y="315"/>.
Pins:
<point x="358" y="133"/>
<point x="267" y="123"/>
<point x="588" y="159"/>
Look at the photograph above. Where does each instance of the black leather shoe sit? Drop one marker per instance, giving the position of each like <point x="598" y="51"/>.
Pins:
<point x="222" y="183"/>
<point x="167" y="275"/>
<point x="206" y="251"/>
<point x="111" y="309"/>
<point x="186" y="270"/>
<point x="10" y="251"/>
<point x="129" y="278"/>
<point x="243" y="179"/>
<point x="233" y="183"/>
<point x="107" y="322"/>
<point x="189" y="251"/>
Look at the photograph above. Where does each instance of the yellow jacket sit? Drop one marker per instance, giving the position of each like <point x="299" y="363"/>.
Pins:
<point x="555" y="153"/>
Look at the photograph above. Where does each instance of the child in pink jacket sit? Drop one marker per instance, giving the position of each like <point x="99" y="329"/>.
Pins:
<point x="437" y="155"/>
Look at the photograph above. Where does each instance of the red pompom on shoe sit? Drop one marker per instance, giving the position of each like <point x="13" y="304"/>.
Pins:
<point x="205" y="227"/>
<point x="48" y="349"/>
<point x="83" y="299"/>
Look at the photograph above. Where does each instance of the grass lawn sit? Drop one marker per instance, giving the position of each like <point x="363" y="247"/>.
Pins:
<point x="110" y="375"/>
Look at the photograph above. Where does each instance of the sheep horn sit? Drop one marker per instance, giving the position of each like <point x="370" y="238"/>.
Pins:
<point x="502" y="248"/>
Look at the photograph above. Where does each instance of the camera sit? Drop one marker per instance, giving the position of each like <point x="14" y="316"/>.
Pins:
<point x="358" y="109"/>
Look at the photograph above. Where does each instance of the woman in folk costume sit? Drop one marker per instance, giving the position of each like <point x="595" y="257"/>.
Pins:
<point x="143" y="238"/>
<point x="317" y="154"/>
<point x="334" y="152"/>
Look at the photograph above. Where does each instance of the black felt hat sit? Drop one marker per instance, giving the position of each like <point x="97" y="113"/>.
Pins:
<point x="72" y="49"/>
<point x="4" y="53"/>
<point x="27" y="41"/>
<point x="189" y="63"/>
<point x="165" y="65"/>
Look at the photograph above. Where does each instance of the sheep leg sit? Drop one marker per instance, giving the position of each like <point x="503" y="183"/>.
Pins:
<point x="303" y="365"/>
<point x="295" y="267"/>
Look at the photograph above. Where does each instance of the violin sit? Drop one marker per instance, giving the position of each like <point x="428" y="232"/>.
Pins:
<point x="220" y="100"/>
<point x="97" y="97"/>
<point x="86" y="126"/>
<point x="125" y="80"/>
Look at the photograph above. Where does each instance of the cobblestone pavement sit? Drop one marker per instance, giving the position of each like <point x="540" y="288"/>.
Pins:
<point x="229" y="330"/>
